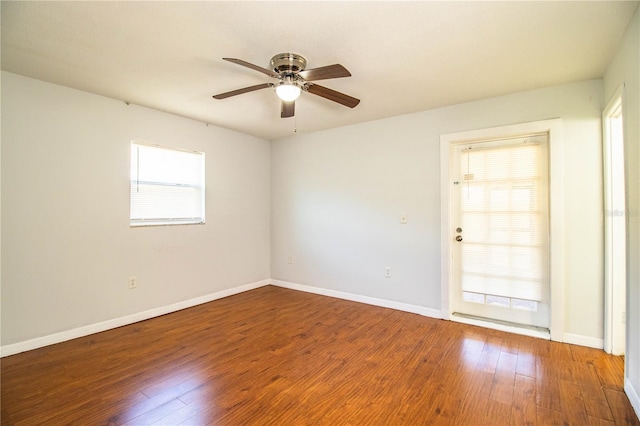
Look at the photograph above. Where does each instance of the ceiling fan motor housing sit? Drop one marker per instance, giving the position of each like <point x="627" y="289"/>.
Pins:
<point x="288" y="63"/>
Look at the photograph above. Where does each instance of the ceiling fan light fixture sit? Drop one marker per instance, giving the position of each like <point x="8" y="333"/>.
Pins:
<point x="288" y="91"/>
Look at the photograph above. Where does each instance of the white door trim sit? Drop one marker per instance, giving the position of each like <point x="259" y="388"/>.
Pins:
<point x="614" y="241"/>
<point x="556" y="211"/>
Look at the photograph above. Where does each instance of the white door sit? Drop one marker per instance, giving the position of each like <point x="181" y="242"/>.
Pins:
<point x="501" y="230"/>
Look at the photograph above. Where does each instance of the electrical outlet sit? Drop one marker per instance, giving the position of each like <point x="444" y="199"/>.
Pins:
<point x="387" y="271"/>
<point x="290" y="259"/>
<point x="133" y="283"/>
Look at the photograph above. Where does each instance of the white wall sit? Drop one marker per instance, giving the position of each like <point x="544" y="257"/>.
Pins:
<point x="67" y="248"/>
<point x="336" y="201"/>
<point x="337" y="197"/>
<point x="625" y="69"/>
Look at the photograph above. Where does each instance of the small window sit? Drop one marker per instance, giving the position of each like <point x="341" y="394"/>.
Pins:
<point x="497" y="301"/>
<point x="525" y="305"/>
<point x="473" y="297"/>
<point x="167" y="186"/>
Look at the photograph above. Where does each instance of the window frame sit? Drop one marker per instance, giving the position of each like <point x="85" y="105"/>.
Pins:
<point x="134" y="180"/>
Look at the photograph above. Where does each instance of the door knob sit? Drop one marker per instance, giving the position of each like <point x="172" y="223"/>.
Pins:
<point x="459" y="238"/>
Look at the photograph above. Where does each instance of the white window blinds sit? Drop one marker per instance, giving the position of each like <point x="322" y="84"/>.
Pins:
<point x="504" y="210"/>
<point x="167" y="186"/>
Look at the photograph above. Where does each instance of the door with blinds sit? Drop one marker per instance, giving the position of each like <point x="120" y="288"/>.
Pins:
<point x="501" y="236"/>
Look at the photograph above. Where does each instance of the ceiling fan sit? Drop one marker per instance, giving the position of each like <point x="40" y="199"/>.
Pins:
<point x="293" y="78"/>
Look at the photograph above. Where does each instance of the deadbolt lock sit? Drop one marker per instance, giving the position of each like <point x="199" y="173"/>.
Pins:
<point x="459" y="238"/>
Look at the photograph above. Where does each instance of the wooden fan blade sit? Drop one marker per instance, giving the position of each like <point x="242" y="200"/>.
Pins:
<point x="241" y="91"/>
<point x="323" y="73"/>
<point x="332" y="95"/>
<point x="288" y="109"/>
<point x="253" y="67"/>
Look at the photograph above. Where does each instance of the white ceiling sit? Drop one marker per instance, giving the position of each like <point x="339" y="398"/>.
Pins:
<point x="403" y="56"/>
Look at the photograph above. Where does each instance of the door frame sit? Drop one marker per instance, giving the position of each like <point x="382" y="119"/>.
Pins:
<point x="614" y="284"/>
<point x="553" y="128"/>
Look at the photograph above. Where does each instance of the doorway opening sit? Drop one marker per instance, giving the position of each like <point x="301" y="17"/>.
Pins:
<point x="535" y="304"/>
<point x="615" y="250"/>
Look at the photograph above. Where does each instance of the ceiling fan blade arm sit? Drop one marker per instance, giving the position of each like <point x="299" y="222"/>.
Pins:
<point x="332" y="95"/>
<point x="253" y="67"/>
<point x="288" y="109"/>
<point x="243" y="90"/>
<point x="324" y="73"/>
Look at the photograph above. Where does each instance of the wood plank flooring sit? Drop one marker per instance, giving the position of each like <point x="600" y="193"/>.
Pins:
<point x="274" y="356"/>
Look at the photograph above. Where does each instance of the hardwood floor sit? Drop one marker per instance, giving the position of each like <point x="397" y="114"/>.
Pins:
<point x="274" y="356"/>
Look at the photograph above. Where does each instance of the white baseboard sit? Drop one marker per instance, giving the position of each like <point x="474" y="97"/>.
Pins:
<point x="421" y="310"/>
<point x="63" y="336"/>
<point x="633" y="395"/>
<point x="577" y="339"/>
<point x="151" y="313"/>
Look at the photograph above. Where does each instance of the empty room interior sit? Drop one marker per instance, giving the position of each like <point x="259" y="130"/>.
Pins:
<point x="354" y="212"/>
